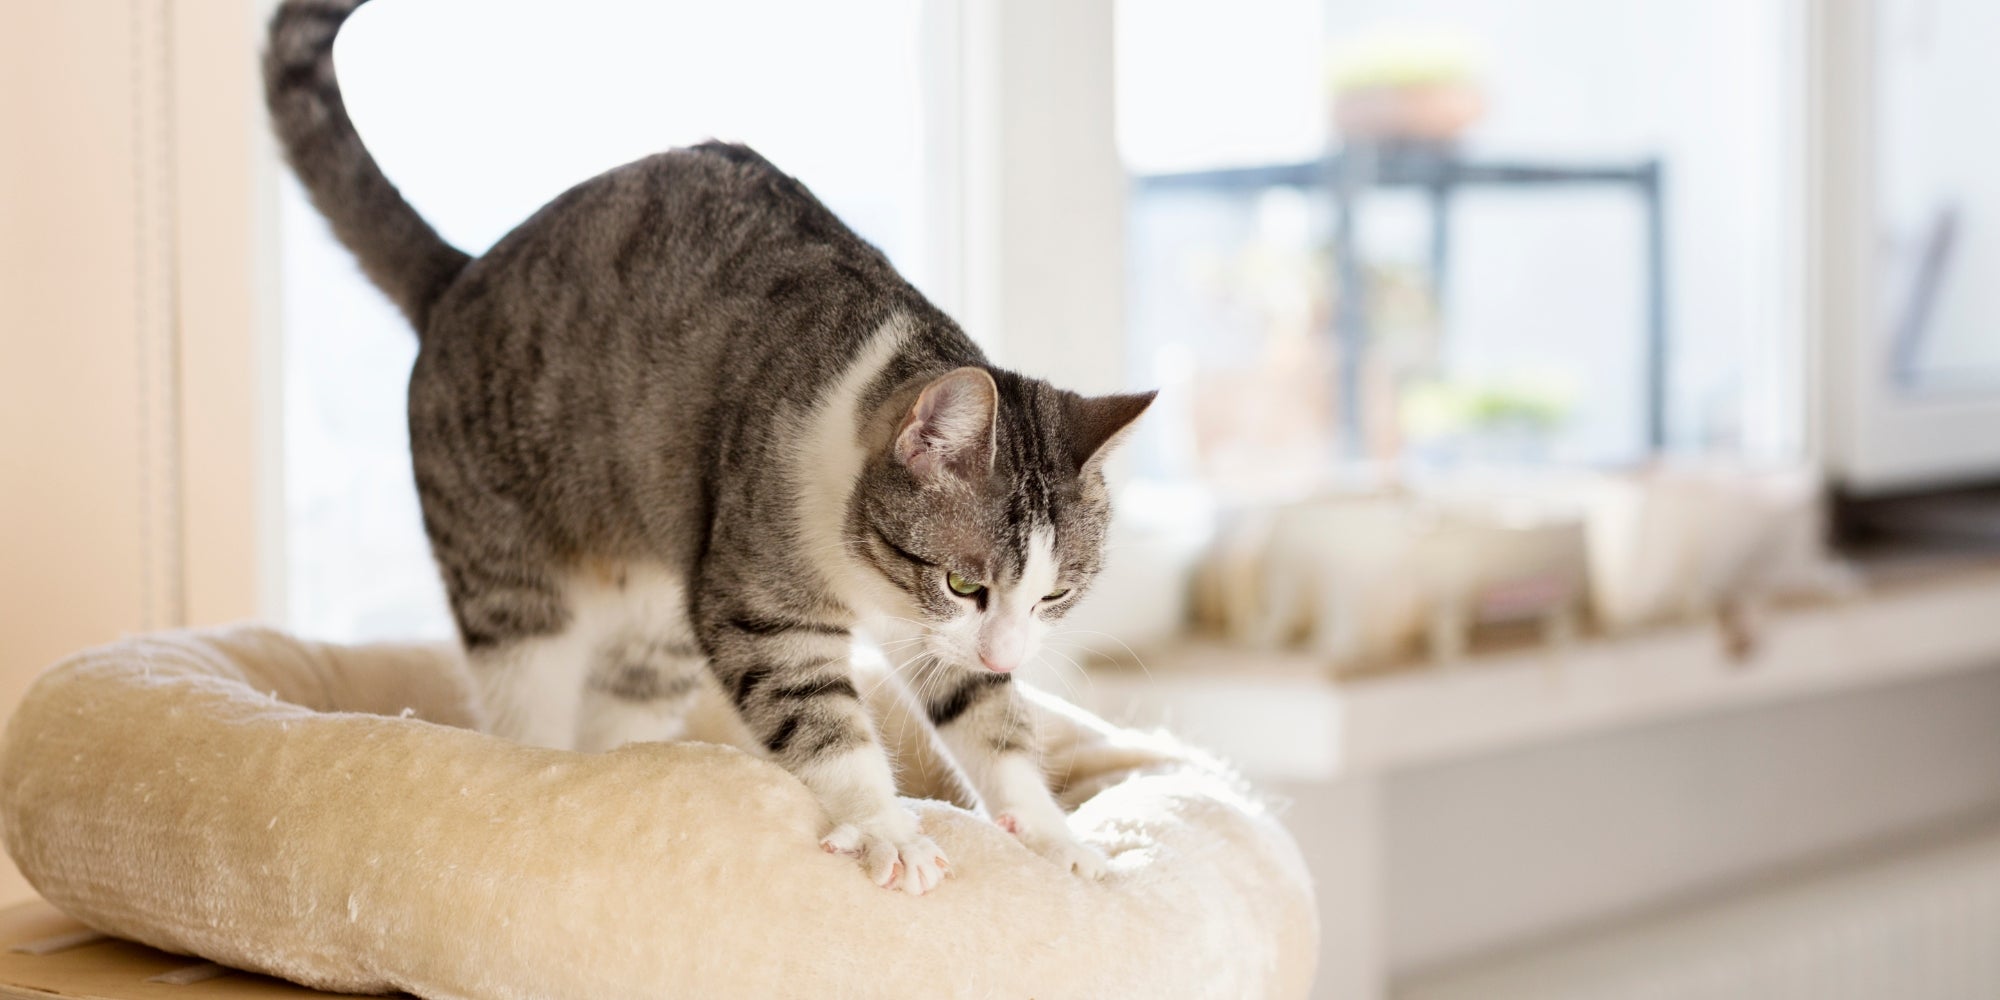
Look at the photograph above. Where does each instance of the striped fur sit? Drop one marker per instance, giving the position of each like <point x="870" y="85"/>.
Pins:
<point x="397" y="249"/>
<point x="683" y="427"/>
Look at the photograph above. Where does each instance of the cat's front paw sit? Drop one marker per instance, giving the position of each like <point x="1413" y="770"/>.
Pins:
<point x="1056" y="844"/>
<point x="894" y="854"/>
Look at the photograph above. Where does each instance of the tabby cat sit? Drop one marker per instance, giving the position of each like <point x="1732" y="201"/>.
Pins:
<point x="683" y="418"/>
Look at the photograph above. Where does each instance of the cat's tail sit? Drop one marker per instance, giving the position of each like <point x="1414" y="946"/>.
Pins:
<point x="397" y="249"/>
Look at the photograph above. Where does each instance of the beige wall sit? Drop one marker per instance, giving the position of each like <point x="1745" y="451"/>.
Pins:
<point x="128" y="403"/>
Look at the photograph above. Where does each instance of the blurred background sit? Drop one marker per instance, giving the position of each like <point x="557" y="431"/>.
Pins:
<point x="1570" y="496"/>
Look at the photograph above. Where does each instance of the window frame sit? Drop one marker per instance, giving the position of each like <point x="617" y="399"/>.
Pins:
<point x="1871" y="439"/>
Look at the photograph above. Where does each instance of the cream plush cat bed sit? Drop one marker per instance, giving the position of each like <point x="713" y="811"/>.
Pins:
<point x="317" y="812"/>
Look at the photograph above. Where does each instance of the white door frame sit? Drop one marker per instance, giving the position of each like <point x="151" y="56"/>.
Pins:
<point x="1042" y="190"/>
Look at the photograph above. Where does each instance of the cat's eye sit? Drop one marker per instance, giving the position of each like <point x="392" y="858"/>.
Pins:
<point x="961" y="586"/>
<point x="1056" y="595"/>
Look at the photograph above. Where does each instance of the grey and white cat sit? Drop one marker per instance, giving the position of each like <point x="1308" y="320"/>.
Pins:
<point x="682" y="418"/>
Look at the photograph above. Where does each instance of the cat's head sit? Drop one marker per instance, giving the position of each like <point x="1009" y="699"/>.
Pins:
<point x="984" y="509"/>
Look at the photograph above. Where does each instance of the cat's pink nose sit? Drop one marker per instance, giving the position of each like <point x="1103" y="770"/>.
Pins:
<point x="998" y="666"/>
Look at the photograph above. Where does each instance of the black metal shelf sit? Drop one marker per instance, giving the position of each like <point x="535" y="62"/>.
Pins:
<point x="1441" y="170"/>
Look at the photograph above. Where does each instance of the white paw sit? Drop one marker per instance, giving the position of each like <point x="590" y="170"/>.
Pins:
<point x="1057" y="845"/>
<point x="893" y="853"/>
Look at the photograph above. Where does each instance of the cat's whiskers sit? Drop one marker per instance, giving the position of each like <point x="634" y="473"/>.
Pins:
<point x="926" y="626"/>
<point x="925" y="667"/>
<point x="1074" y="665"/>
<point x="819" y="399"/>
<point x="1055" y="672"/>
<point x="888" y="675"/>
<point x="1049" y="776"/>
<point x="899" y="653"/>
<point x="924" y="678"/>
<point x="1129" y="651"/>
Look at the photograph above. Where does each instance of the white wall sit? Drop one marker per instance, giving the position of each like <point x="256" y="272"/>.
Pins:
<point x="1487" y="852"/>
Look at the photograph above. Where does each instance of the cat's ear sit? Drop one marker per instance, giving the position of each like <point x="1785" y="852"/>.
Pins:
<point x="950" y="426"/>
<point x="1098" y="423"/>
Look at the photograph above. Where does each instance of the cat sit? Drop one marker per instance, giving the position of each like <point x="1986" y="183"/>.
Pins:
<point x="683" y="418"/>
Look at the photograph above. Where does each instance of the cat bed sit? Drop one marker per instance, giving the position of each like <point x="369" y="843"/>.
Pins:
<point x="324" y="814"/>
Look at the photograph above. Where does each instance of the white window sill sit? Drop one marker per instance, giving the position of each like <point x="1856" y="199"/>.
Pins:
<point x="1283" y="716"/>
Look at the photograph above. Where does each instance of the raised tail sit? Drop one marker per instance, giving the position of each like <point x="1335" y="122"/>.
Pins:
<point x="397" y="249"/>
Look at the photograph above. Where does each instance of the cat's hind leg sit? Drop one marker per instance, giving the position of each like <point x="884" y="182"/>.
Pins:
<point x="530" y="689"/>
<point x="513" y="614"/>
<point x="645" y="669"/>
<point x="640" y="690"/>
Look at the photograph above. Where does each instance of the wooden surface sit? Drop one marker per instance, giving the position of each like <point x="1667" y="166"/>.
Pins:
<point x="46" y="954"/>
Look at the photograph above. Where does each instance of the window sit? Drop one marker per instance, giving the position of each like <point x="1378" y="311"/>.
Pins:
<point x="1422" y="236"/>
<point x="1910" y="365"/>
<point x="481" y="111"/>
<point x="1933" y="185"/>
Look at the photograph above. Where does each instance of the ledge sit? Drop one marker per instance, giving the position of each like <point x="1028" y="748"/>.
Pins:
<point x="1281" y="715"/>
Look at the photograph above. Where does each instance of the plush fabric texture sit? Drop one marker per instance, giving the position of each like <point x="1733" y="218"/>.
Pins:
<point x="326" y="814"/>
